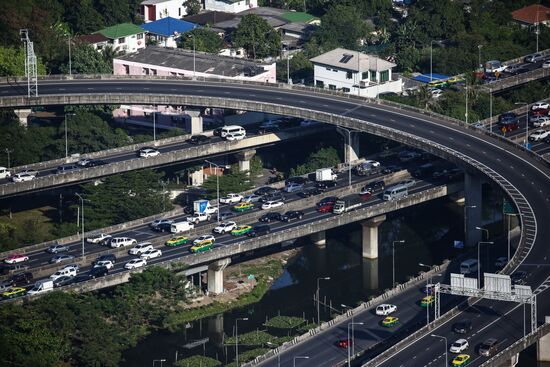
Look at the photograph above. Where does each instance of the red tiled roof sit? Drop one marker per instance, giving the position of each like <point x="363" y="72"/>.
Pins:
<point x="92" y="38"/>
<point x="532" y="14"/>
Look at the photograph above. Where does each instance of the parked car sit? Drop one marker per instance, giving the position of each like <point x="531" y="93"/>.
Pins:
<point x="60" y="258"/>
<point x="22" y="177"/>
<point x="99" y="238"/>
<point x="292" y="215"/>
<point x="198" y="139"/>
<point x="54" y="249"/>
<point x="134" y="264"/>
<point x="151" y="254"/>
<point x="147" y="152"/>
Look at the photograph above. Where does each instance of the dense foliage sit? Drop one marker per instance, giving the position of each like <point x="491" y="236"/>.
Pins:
<point x="232" y="182"/>
<point x="324" y="157"/>
<point x="205" y="40"/>
<point x="257" y="37"/>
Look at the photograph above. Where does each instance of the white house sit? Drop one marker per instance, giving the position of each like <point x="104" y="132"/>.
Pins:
<point x="152" y="10"/>
<point x="125" y="37"/>
<point x="230" y="6"/>
<point x="355" y="72"/>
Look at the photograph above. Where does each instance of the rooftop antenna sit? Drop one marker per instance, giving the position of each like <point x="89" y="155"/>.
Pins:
<point x="30" y="64"/>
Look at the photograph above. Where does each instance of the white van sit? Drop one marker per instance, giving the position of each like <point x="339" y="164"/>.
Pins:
<point x="42" y="287"/>
<point x="232" y="129"/>
<point x="179" y="227"/>
<point x="396" y="192"/>
<point x="4" y="172"/>
<point x="469" y="266"/>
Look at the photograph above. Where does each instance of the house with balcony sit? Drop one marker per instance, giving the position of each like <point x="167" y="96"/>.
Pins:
<point x="355" y="73"/>
<point x="230" y="6"/>
<point x="164" y="32"/>
<point x="152" y="10"/>
<point x="125" y="37"/>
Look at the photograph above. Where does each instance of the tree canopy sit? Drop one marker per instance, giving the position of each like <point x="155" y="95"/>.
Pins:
<point x="206" y="40"/>
<point x="257" y="37"/>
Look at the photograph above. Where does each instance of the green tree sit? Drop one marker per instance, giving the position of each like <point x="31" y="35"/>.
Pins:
<point x="192" y="6"/>
<point x="232" y="182"/>
<point x="341" y="26"/>
<point x="206" y="40"/>
<point x="87" y="60"/>
<point x="12" y="62"/>
<point x="300" y="67"/>
<point x="257" y="37"/>
<point x="323" y="158"/>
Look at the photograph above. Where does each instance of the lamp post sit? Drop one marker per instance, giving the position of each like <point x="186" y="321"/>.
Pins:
<point x="194" y="64"/>
<point x="349" y="156"/>
<point x="317" y="296"/>
<point x="298" y="357"/>
<point x="478" y="261"/>
<point x="428" y="306"/>
<point x="509" y="215"/>
<point x="393" y="261"/>
<point x="237" y="337"/>
<point x="446" y="355"/>
<point x="350" y="341"/>
<point x="490" y="110"/>
<point x="8" y="151"/>
<point x="479" y="55"/>
<point x="466" y="114"/>
<point x="70" y="61"/>
<point x="526" y="121"/>
<point x="466" y="207"/>
<point x="82" y="213"/>
<point x="485" y="230"/>
<point x="287" y="61"/>
<point x="431" y="59"/>
<point x="66" y="139"/>
<point x="155" y="124"/>
<point x="217" y="187"/>
<point x="158" y="360"/>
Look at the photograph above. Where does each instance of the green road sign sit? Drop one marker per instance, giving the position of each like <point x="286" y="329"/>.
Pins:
<point x="507" y="207"/>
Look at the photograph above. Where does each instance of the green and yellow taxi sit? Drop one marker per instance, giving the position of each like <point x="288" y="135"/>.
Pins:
<point x="390" y="321"/>
<point x="455" y="79"/>
<point x="241" y="230"/>
<point x="14" y="292"/>
<point x="438" y="84"/>
<point x="427" y="301"/>
<point x="244" y="206"/>
<point x="177" y="241"/>
<point x="461" y="360"/>
<point x="201" y="247"/>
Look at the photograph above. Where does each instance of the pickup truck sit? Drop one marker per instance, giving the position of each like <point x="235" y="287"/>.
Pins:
<point x="199" y="217"/>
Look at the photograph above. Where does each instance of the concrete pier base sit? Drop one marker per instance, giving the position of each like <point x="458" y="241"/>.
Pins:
<point x="370" y="274"/>
<point x="244" y="159"/>
<point x="370" y="236"/>
<point x="196" y="178"/>
<point x="319" y="239"/>
<point x="195" y="121"/>
<point x="23" y="115"/>
<point x="543" y="346"/>
<point x="351" y="148"/>
<point x="215" y="275"/>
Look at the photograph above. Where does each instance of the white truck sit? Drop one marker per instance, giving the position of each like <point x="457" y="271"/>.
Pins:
<point x="199" y="217"/>
<point x="204" y="207"/>
<point x="42" y="287"/>
<point x="325" y="174"/>
<point x="179" y="227"/>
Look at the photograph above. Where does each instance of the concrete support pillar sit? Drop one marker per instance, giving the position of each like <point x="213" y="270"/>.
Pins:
<point x="543" y="346"/>
<point x="319" y="239"/>
<point x="244" y="159"/>
<point x="370" y="236"/>
<point x="23" y="115"/>
<point x="511" y="362"/>
<point x="370" y="274"/>
<point x="196" y="178"/>
<point x="472" y="209"/>
<point x="215" y="275"/>
<point x="195" y="120"/>
<point x="215" y="329"/>
<point x="352" y="149"/>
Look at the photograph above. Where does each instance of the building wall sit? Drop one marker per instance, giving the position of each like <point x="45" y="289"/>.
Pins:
<point x="167" y="42"/>
<point x="171" y="8"/>
<point x="235" y="7"/>
<point x="130" y="44"/>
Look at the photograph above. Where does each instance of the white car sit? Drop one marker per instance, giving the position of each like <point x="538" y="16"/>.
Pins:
<point x="436" y="93"/>
<point x="459" y="346"/>
<point x="151" y="254"/>
<point x="140" y="248"/>
<point x="65" y="272"/>
<point x="225" y="227"/>
<point x="235" y="136"/>
<point x="203" y="239"/>
<point x="385" y="309"/>
<point x="83" y="161"/>
<point x="540" y="105"/>
<point x="22" y="177"/>
<point x="148" y="152"/>
<point x="106" y="263"/>
<point x="252" y="198"/>
<point x="546" y="64"/>
<point x="408" y="183"/>
<point x="98" y="238"/>
<point x="29" y="171"/>
<point x="272" y="204"/>
<point x="117" y="242"/>
<point x="372" y="163"/>
<point x="231" y="199"/>
<point x="135" y="263"/>
<point x="71" y="267"/>
<point x="538" y="135"/>
<point x="4" y="172"/>
<point x="542" y="121"/>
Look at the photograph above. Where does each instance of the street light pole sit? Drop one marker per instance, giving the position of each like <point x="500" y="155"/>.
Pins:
<point x="159" y="360"/>
<point x="485" y="230"/>
<point x="237" y="337"/>
<point x="509" y="239"/>
<point x="194" y="64"/>
<point x="393" y="261"/>
<point x="70" y="61"/>
<point x="298" y="357"/>
<point x="479" y="261"/>
<point x="526" y="121"/>
<point x="217" y="187"/>
<point x="479" y="55"/>
<point x="466" y="207"/>
<point x="82" y="213"/>
<point x="428" y="306"/>
<point x="155" y="124"/>
<point x="317" y="296"/>
<point x="446" y="355"/>
<point x="431" y="59"/>
<point x="8" y="151"/>
<point x="350" y="341"/>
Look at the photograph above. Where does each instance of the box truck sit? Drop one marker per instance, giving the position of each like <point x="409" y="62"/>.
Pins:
<point x="324" y="174"/>
<point x="179" y="227"/>
<point x="346" y="204"/>
<point x="203" y="207"/>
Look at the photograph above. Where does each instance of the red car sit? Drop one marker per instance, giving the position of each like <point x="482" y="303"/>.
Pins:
<point x="344" y="343"/>
<point x="540" y="112"/>
<point x="366" y="196"/>
<point x="16" y="258"/>
<point x="326" y="208"/>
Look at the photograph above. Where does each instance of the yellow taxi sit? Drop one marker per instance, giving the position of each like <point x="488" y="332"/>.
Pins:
<point x="177" y="241"/>
<point x="427" y="301"/>
<point x="461" y="360"/>
<point x="244" y="206"/>
<point x="239" y="231"/>
<point x="201" y="247"/>
<point x="14" y="292"/>
<point x="390" y="321"/>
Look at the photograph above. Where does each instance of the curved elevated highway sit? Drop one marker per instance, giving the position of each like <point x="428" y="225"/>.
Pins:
<point x="522" y="175"/>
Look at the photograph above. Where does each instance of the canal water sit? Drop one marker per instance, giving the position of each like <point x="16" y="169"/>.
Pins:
<point x="428" y="231"/>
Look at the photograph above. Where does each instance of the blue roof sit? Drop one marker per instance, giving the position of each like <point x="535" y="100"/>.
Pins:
<point x="167" y="26"/>
<point x="425" y="78"/>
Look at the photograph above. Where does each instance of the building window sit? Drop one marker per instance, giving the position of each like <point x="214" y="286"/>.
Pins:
<point x="345" y="90"/>
<point x="153" y="71"/>
<point x="384" y="76"/>
<point x="247" y="2"/>
<point x="329" y="69"/>
<point x="179" y="12"/>
<point x="331" y="87"/>
<point x="126" y="69"/>
<point x="121" y="40"/>
<point x="140" y="36"/>
<point x="173" y="73"/>
<point x="365" y="75"/>
<point x="145" y="71"/>
<point x="319" y="84"/>
<point x="372" y="75"/>
<point x="348" y="75"/>
<point x="335" y="70"/>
